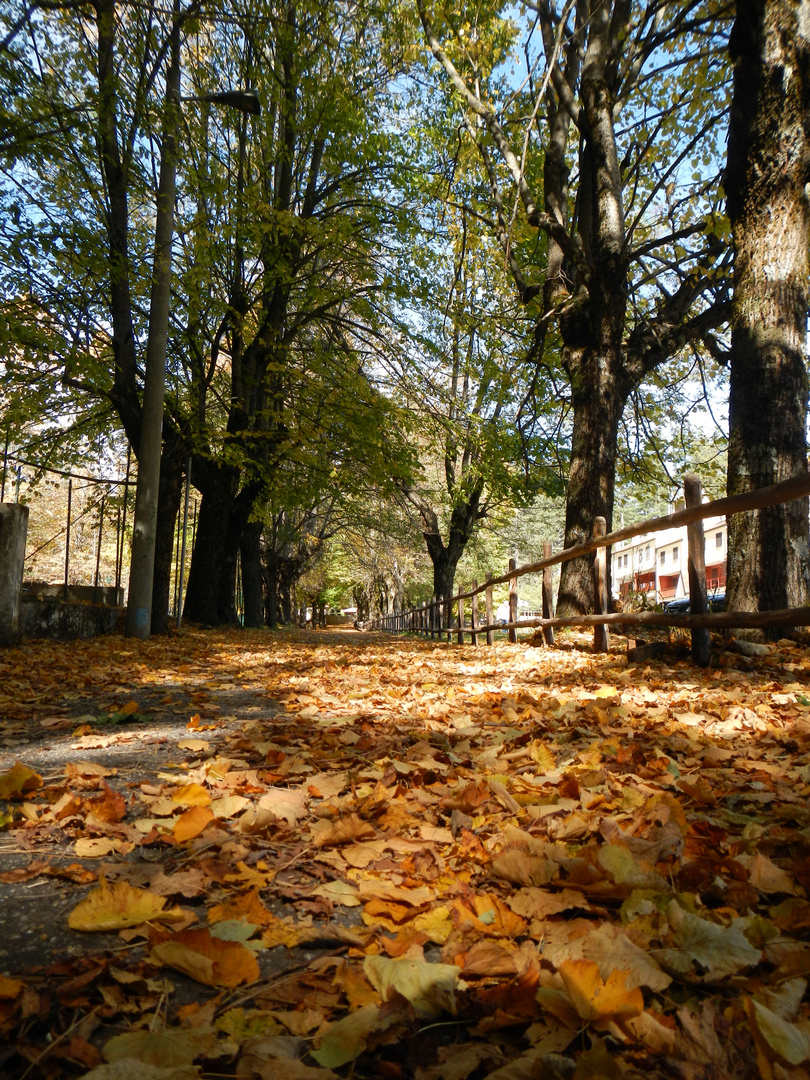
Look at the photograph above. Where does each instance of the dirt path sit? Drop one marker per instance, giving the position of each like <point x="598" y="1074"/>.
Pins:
<point x="352" y="844"/>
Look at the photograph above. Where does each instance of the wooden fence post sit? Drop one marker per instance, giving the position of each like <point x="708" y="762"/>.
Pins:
<point x="490" y="616"/>
<point x="440" y="617"/>
<point x="460" y="622"/>
<point x="548" y="611"/>
<point x="698" y="599"/>
<point x="601" y="639"/>
<point x="432" y="617"/>
<point x="513" y="601"/>
<point x="474" y="614"/>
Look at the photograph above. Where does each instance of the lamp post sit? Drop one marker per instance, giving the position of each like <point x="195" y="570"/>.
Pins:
<point x="144" y="527"/>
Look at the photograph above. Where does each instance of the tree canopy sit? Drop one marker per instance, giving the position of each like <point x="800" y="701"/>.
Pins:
<point x="463" y="257"/>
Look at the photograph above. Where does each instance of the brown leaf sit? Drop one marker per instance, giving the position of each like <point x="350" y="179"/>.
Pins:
<point x="345" y="830"/>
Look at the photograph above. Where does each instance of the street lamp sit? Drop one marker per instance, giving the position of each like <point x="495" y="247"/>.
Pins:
<point x="144" y="527"/>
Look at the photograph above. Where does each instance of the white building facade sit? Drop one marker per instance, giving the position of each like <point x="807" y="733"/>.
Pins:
<point x="657" y="563"/>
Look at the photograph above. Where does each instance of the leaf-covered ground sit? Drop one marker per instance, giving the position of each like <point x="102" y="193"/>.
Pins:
<point x="314" y="855"/>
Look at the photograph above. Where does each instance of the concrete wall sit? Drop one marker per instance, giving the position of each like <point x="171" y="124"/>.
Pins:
<point x="78" y="594"/>
<point x="66" y="621"/>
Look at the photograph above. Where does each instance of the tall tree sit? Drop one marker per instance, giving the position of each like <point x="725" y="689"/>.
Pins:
<point x="769" y="208"/>
<point x="303" y="255"/>
<point x="605" y="149"/>
<point x="93" y="81"/>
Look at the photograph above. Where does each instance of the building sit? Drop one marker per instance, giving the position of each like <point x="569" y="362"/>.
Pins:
<point x="657" y="563"/>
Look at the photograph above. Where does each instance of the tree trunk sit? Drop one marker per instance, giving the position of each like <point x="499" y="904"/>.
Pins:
<point x="446" y="557"/>
<point x="169" y="497"/>
<point x="252" y="574"/>
<point x="768" y="169"/>
<point x="202" y="591"/>
<point x="598" y="399"/>
<point x="285" y="593"/>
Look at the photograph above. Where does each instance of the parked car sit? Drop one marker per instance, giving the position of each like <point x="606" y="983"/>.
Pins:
<point x="682" y="606"/>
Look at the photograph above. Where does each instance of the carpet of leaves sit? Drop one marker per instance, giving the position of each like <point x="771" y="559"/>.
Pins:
<point x="424" y="861"/>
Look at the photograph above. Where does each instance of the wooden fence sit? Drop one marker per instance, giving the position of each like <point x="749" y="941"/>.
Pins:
<point x="435" y="618"/>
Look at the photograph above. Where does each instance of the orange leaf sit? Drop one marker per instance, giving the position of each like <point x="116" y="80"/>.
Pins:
<point x="109" y="806"/>
<point x="10" y="988"/>
<point x="192" y="823"/>
<point x="206" y="959"/>
<point x="594" y="999"/>
<point x="130" y="708"/>
<point x="248" y="906"/>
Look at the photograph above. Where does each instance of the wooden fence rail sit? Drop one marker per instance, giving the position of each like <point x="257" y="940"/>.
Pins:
<point x="435" y="617"/>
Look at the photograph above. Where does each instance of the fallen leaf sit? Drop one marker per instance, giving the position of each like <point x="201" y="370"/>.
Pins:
<point x="192" y="822"/>
<point x="598" y="1000"/>
<point x="118" y="905"/>
<point x="430" y="988"/>
<point x="168" y="1048"/>
<point x="18" y="780"/>
<point x="345" y="830"/>
<point x="207" y="959"/>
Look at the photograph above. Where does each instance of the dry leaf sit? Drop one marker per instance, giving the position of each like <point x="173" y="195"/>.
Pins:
<point x="430" y="988"/>
<point x="118" y="905"/>
<point x="207" y="959"/>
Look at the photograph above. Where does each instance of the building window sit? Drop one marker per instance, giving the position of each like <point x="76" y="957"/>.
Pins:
<point x="625" y="560"/>
<point x="647" y="552"/>
<point x="718" y="540"/>
<point x="674" y="554"/>
<point x="662" y="558"/>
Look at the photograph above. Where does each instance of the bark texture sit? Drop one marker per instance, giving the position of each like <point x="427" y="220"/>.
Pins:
<point x="767" y="177"/>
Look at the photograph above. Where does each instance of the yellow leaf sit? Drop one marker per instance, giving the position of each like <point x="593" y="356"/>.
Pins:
<point x="339" y="892"/>
<point x="97" y="847"/>
<point x="606" y="691"/>
<point x="437" y="924"/>
<point x="114" y="907"/>
<point x="130" y="708"/>
<point x="229" y="805"/>
<point x="192" y="795"/>
<point x="18" y="780"/>
<point x="430" y="988"/>
<point x="541" y="754"/>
